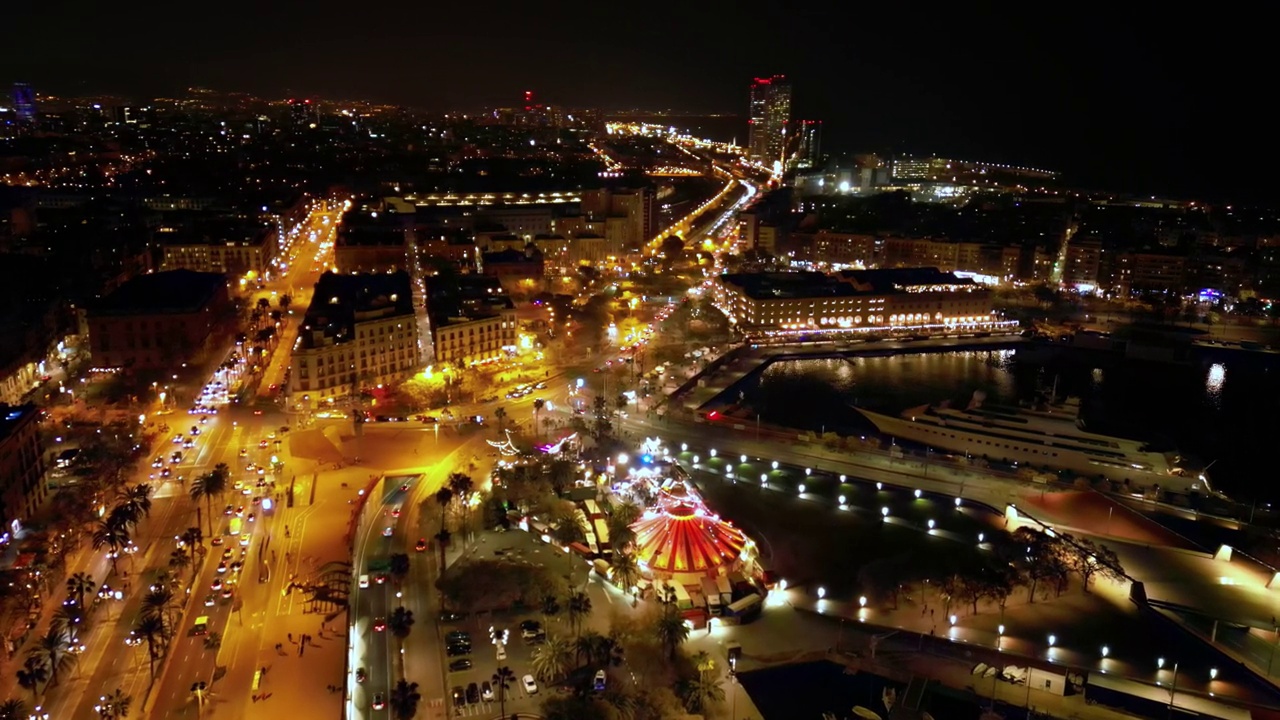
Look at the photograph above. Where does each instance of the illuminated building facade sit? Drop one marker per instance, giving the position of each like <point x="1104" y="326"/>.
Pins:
<point x="359" y="331"/>
<point x="240" y="251"/>
<point x="22" y="485"/>
<point x="157" y="320"/>
<point x="770" y="113"/>
<point x="918" y="299"/>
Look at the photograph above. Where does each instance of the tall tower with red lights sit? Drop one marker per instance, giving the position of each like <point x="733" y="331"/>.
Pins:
<point x="770" y="113"/>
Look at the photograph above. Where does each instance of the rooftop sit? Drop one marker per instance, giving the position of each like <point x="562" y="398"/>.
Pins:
<point x="806" y="284"/>
<point x="173" y="291"/>
<point x="340" y="301"/>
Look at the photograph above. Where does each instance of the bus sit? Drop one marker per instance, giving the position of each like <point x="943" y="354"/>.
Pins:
<point x="201" y="626"/>
<point x="233" y="527"/>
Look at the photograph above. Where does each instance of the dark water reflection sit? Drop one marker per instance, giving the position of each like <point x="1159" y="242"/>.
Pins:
<point x="1220" y="413"/>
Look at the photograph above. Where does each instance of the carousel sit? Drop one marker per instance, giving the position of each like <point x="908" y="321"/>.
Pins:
<point x="682" y="541"/>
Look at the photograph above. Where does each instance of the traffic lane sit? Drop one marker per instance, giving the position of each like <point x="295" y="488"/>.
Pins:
<point x="373" y="651"/>
<point x="189" y="659"/>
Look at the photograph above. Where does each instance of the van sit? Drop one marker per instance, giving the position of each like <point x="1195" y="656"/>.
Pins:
<point x="201" y="626"/>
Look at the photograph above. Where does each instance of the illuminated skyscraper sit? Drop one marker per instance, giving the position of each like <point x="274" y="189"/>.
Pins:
<point x="301" y="112"/>
<point x="770" y="113"/>
<point x="810" y="152"/>
<point x="24" y="103"/>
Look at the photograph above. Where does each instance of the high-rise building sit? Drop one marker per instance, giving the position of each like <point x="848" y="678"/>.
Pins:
<point x="810" y="152"/>
<point x="24" y="103"/>
<point x="770" y="113"/>
<point x="301" y="112"/>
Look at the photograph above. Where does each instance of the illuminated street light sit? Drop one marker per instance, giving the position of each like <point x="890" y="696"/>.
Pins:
<point x="842" y="500"/>
<point x="801" y="488"/>
<point x="957" y="502"/>
<point x="884" y="511"/>
<point x="842" y="478"/>
<point x="952" y="619"/>
<point x="1213" y="673"/>
<point x="981" y="536"/>
<point x="930" y="524"/>
<point x="918" y="494"/>
<point x="1105" y="651"/>
<point x="775" y="464"/>
<point x="1160" y="663"/>
<point x="713" y="452"/>
<point x="807" y="472"/>
<point x="822" y="592"/>
<point x="1053" y="639"/>
<point x="862" y="601"/>
<point x="879" y="486"/>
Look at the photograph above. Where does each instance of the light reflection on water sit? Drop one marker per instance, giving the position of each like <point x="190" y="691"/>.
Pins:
<point x="1213" y="382"/>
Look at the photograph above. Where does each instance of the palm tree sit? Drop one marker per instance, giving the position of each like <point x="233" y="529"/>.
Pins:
<point x="621" y="537"/>
<point x="138" y="498"/>
<point x="115" y="705"/>
<point x="587" y="647"/>
<point x="69" y="619"/>
<point x="211" y="484"/>
<point x="151" y="629"/>
<point x="401" y="622"/>
<point x="179" y="559"/>
<point x="626" y="513"/>
<point x="671" y="630"/>
<point x="502" y="680"/>
<point x="80" y="584"/>
<point x="113" y="536"/>
<point x="13" y="710"/>
<point x="444" y="496"/>
<point x="191" y="538"/>
<point x="404" y="699"/>
<point x="701" y="694"/>
<point x="538" y="404"/>
<point x="501" y="414"/>
<point x="552" y="659"/>
<point x="53" y="649"/>
<point x="159" y="603"/>
<point x="625" y="570"/>
<point x="462" y="487"/>
<point x="577" y="609"/>
<point x="399" y="566"/>
<point x="550" y="607"/>
<point x="33" y="672"/>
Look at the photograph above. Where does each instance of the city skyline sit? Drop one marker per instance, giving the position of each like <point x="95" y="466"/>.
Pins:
<point x="1109" y="103"/>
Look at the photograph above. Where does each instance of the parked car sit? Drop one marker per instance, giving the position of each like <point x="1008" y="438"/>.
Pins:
<point x="530" y="686"/>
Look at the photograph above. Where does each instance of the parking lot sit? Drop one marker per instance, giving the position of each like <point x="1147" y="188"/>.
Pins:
<point x="517" y="546"/>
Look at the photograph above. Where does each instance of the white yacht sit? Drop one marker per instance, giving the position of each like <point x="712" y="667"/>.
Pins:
<point x="1051" y="435"/>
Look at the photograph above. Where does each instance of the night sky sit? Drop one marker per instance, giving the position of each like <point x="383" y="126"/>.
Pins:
<point x="1147" y="99"/>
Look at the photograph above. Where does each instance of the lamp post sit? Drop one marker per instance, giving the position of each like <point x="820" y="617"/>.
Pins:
<point x="1173" y="689"/>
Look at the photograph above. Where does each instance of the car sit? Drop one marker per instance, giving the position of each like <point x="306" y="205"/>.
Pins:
<point x="217" y="584"/>
<point x="228" y="510"/>
<point x="244" y="540"/>
<point x="458" y="649"/>
<point x="188" y="443"/>
<point x="361" y="675"/>
<point x="240" y="511"/>
<point x="251" y="517"/>
<point x="166" y="472"/>
<point x="177" y="439"/>
<point x="244" y="452"/>
<point x="237" y="566"/>
<point x="395" y="511"/>
<point x="458" y="636"/>
<point x="364" y="581"/>
<point x="404" y="487"/>
<point x="175" y="458"/>
<point x="378" y="701"/>
<point x="222" y="567"/>
<point x="387" y="531"/>
<point x="263" y="444"/>
<point x="195" y="429"/>
<point x="228" y="554"/>
<point x="158" y="462"/>
<point x="600" y="680"/>
<point x="459" y="665"/>
<point x="227" y="592"/>
<point x="530" y="685"/>
<point x="459" y="698"/>
<point x="451" y="617"/>
<point x="379" y="625"/>
<point x="421" y="545"/>
<point x="530" y="629"/>
<point x="217" y="540"/>
<point x="502" y="652"/>
<point x="473" y="693"/>
<point x="210" y="599"/>
<point x="380" y="578"/>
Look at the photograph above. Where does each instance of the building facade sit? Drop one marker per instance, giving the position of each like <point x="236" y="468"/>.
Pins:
<point x="360" y="331"/>
<point x="924" y="300"/>
<point x="22" y="485"/>
<point x="769" y="115"/>
<point x="155" y="321"/>
<point x="467" y="341"/>
<point x="248" y="252"/>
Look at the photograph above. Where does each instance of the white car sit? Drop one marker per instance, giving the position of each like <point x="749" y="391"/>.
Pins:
<point x="530" y="686"/>
<point x="364" y="581"/>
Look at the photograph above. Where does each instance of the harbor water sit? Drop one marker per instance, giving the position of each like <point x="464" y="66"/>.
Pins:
<point x="1219" y="413"/>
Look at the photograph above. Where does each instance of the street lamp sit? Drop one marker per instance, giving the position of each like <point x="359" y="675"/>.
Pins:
<point x="822" y="593"/>
<point x="999" y="637"/>
<point x="1053" y="639"/>
<point x="884" y="511"/>
<point x="879" y="486"/>
<point x="918" y="494"/>
<point x="1105" y="651"/>
<point x="801" y="488"/>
